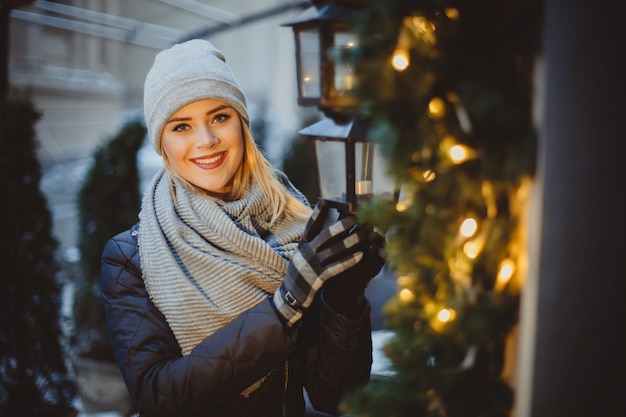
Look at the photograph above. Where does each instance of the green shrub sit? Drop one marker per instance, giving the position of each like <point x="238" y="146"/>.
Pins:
<point x="108" y="201"/>
<point x="34" y="378"/>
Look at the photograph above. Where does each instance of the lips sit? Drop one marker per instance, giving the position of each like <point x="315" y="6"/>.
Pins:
<point x="210" y="161"/>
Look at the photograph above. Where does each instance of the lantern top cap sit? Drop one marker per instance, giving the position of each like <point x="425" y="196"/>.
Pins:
<point x="327" y="127"/>
<point x="332" y="11"/>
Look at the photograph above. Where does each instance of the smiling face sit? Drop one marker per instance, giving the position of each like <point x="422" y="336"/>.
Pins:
<point x="203" y="144"/>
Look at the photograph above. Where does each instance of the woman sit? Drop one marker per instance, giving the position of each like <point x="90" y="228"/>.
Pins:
<point x="230" y="296"/>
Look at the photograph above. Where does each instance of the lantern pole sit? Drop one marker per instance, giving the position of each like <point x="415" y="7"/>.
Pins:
<point x="350" y="174"/>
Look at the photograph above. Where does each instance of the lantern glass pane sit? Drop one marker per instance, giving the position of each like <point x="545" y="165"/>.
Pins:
<point x="310" y="80"/>
<point x="345" y="80"/>
<point x="371" y="173"/>
<point x="364" y="185"/>
<point x="331" y="164"/>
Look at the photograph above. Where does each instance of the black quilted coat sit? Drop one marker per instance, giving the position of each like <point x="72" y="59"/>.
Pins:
<point x="251" y="367"/>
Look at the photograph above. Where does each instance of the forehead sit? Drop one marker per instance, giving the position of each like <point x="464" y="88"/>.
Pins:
<point x="201" y="107"/>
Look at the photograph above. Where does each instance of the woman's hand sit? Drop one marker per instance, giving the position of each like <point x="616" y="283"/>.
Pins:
<point x="324" y="252"/>
<point x="345" y="292"/>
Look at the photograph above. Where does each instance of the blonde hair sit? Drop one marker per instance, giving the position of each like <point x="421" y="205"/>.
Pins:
<point x="255" y="168"/>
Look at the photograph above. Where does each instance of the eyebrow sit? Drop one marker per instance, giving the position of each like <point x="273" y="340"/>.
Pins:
<point x="210" y="112"/>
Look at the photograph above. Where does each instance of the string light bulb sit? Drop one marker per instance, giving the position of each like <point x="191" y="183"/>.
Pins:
<point x="400" y="60"/>
<point x="404" y="281"/>
<point x="443" y="317"/>
<point x="471" y="249"/>
<point x="422" y="28"/>
<point x="505" y="273"/>
<point x="436" y="108"/>
<point x="452" y="13"/>
<point x="468" y="227"/>
<point x="446" y="315"/>
<point x="406" y="296"/>
<point x="429" y="175"/>
<point x="458" y="154"/>
<point x="403" y="205"/>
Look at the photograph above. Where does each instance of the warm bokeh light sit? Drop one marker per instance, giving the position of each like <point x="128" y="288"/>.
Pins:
<point x="404" y="281"/>
<point x="446" y="315"/>
<point x="458" y="154"/>
<point x="400" y="60"/>
<point x="429" y="175"/>
<point x="430" y="308"/>
<point x="436" y="108"/>
<point x="452" y="13"/>
<point x="422" y="28"/>
<point x="406" y="296"/>
<point x="468" y="227"/>
<point x="471" y="249"/>
<point x="443" y="317"/>
<point x="505" y="272"/>
<point x="402" y="205"/>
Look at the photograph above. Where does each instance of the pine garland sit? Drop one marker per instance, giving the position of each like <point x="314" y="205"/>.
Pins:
<point x="456" y="124"/>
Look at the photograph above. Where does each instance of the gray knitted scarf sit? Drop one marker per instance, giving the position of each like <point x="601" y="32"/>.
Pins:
<point x="205" y="261"/>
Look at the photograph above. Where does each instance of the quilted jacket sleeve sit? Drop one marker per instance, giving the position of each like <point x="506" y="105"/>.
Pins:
<point x="162" y="381"/>
<point x="341" y="360"/>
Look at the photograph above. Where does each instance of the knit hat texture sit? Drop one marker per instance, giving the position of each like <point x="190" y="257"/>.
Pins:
<point x="185" y="73"/>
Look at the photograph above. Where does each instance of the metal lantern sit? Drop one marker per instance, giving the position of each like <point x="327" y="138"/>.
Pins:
<point x="348" y="169"/>
<point x="322" y="36"/>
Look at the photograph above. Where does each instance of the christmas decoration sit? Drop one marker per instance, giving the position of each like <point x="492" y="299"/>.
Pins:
<point x="447" y="86"/>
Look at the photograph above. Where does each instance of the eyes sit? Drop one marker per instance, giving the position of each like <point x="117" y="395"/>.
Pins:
<point x="180" y="127"/>
<point x="217" y="119"/>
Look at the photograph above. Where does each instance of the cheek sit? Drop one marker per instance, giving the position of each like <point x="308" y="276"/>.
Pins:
<point x="171" y="148"/>
<point x="172" y="158"/>
<point x="237" y="144"/>
<point x="166" y="145"/>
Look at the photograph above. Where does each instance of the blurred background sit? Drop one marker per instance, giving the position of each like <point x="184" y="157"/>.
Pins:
<point x="83" y="64"/>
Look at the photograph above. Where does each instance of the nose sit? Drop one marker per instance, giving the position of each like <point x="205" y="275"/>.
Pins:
<point x="206" y="137"/>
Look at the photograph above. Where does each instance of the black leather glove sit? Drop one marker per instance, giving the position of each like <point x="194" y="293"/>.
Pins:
<point x="323" y="252"/>
<point x="345" y="293"/>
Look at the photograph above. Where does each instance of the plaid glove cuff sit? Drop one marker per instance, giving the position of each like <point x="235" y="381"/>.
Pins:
<point x="287" y="306"/>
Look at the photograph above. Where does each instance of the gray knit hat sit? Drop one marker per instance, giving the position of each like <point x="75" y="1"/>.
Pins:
<point x="187" y="72"/>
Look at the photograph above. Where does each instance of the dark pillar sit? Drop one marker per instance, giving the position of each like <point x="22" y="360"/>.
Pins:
<point x="4" y="47"/>
<point x="580" y="356"/>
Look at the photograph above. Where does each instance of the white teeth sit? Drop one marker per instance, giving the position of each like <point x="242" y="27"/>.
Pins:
<point x="210" y="160"/>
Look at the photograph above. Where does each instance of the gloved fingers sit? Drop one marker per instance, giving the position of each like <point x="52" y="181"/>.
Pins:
<point x="376" y="249"/>
<point x="316" y="221"/>
<point x="375" y="254"/>
<point x="375" y="258"/>
<point x="342" y="247"/>
<point x="377" y="239"/>
<point x="333" y="233"/>
<point x="374" y="237"/>
<point x="340" y="266"/>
